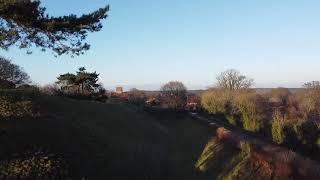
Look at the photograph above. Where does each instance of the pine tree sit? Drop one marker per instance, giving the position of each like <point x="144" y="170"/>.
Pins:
<point x="83" y="81"/>
<point x="26" y="24"/>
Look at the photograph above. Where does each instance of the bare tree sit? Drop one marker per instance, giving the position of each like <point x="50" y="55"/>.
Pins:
<point x="174" y="94"/>
<point x="231" y="79"/>
<point x="12" y="73"/>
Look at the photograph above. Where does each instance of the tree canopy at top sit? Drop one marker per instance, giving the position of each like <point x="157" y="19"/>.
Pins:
<point x="26" y="24"/>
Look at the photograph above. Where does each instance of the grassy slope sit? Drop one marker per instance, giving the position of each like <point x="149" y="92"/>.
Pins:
<point x="113" y="140"/>
<point x="236" y="164"/>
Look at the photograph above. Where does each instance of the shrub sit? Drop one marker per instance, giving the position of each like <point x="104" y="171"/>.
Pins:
<point x="216" y="101"/>
<point x="278" y="128"/>
<point x="4" y="84"/>
<point x="280" y="96"/>
<point x="253" y="108"/>
<point x="17" y="103"/>
<point x="288" y="118"/>
<point x="137" y="97"/>
<point x="307" y="133"/>
<point x="233" y="119"/>
<point x="246" y="147"/>
<point x="309" y="103"/>
<point x="174" y="95"/>
<point x="238" y="107"/>
<point x="284" y="129"/>
<point x="34" y="165"/>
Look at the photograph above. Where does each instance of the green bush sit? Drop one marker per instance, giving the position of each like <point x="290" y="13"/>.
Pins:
<point x="216" y="101"/>
<point x="253" y="110"/>
<point x="219" y="101"/>
<point x="299" y="133"/>
<point x="278" y="128"/>
<point x="244" y="107"/>
<point x="233" y="119"/>
<point x="284" y="129"/>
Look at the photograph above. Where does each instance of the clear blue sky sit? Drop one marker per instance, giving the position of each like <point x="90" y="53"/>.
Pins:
<point x="145" y="43"/>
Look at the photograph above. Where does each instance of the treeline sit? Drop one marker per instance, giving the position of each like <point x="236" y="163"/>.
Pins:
<point x="289" y="118"/>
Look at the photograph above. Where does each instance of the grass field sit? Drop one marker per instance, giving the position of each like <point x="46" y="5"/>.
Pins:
<point x="115" y="140"/>
<point x="109" y="140"/>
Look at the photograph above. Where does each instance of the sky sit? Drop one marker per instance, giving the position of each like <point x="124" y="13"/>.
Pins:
<point x="146" y="43"/>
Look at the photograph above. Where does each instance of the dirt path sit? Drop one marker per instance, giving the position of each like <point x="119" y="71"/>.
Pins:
<point x="243" y="134"/>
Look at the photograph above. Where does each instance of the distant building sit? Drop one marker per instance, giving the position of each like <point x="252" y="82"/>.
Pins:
<point x="119" y="90"/>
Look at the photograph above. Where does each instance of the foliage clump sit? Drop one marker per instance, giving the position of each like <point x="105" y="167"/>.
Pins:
<point x="242" y="108"/>
<point x="137" y="97"/>
<point x="12" y="75"/>
<point x="81" y="85"/>
<point x="290" y="118"/>
<point x="26" y="24"/>
<point x="253" y="110"/>
<point x="34" y="165"/>
<point x="17" y="103"/>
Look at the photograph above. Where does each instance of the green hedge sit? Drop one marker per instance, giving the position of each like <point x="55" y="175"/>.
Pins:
<point x="243" y="108"/>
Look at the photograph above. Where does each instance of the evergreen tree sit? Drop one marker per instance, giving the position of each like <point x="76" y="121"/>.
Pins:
<point x="82" y="82"/>
<point x="26" y="24"/>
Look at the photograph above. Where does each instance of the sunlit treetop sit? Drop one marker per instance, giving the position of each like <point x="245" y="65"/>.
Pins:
<point x="26" y="24"/>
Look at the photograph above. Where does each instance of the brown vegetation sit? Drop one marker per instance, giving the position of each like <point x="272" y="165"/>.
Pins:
<point x="173" y="95"/>
<point x="284" y="163"/>
<point x="288" y="118"/>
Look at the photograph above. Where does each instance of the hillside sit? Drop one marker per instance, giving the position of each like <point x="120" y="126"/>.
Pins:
<point x="113" y="140"/>
<point x="116" y="140"/>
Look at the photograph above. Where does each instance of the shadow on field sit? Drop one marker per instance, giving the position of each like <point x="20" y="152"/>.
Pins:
<point x="103" y="140"/>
